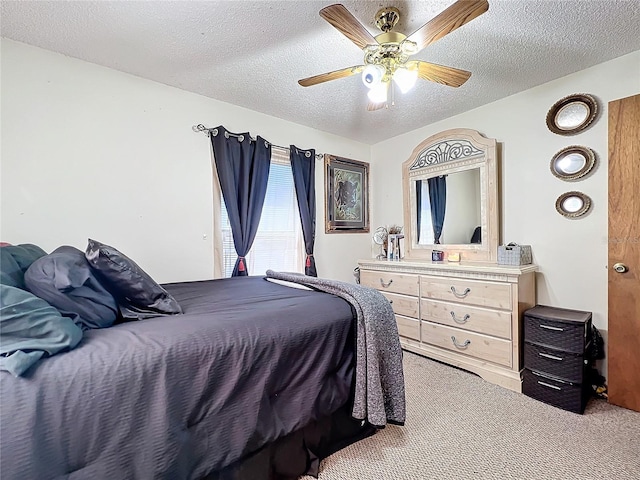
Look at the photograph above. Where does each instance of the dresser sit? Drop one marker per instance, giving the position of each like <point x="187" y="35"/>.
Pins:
<point x="468" y="315"/>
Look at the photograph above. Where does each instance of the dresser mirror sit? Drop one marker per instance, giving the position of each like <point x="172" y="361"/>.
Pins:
<point x="450" y="197"/>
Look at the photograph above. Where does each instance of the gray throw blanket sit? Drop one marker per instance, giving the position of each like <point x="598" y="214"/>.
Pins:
<point x="379" y="387"/>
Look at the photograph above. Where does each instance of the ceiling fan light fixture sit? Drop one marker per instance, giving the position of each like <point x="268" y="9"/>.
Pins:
<point x="372" y="75"/>
<point x="405" y="78"/>
<point x="378" y="92"/>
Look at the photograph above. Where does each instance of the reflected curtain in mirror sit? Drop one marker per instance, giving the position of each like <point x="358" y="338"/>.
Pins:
<point x="243" y="170"/>
<point x="438" y="200"/>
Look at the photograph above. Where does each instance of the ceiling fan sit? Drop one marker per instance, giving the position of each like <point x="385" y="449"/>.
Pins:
<point x="386" y="56"/>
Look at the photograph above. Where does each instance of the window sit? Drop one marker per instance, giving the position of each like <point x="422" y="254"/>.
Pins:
<point x="279" y="244"/>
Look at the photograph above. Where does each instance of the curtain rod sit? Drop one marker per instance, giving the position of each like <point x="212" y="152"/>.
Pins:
<point x="201" y="128"/>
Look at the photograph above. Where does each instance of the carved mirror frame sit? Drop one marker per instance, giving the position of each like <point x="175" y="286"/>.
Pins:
<point x="447" y="152"/>
<point x="583" y="209"/>
<point x="557" y="114"/>
<point x="588" y="156"/>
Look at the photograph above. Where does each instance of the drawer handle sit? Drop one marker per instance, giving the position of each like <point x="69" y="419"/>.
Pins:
<point x="458" y="345"/>
<point x="466" y="292"/>
<point x="385" y="285"/>
<point x="459" y="320"/>
<point x="549" y="327"/>
<point x="548" y="385"/>
<point x="552" y="357"/>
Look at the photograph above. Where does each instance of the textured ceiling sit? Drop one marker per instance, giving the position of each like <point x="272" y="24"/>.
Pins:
<point x="251" y="53"/>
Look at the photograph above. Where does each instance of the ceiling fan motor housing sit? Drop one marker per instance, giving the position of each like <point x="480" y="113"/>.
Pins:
<point x="386" y="18"/>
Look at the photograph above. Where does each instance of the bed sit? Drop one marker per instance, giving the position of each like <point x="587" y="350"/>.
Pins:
<point x="253" y="380"/>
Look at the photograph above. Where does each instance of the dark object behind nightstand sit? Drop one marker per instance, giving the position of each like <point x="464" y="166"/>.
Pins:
<point x="555" y="361"/>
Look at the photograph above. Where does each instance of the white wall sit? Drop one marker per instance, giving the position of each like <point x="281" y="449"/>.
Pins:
<point x="571" y="254"/>
<point x="88" y="151"/>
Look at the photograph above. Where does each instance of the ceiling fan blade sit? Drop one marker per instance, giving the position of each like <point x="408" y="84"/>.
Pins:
<point x="338" y="16"/>
<point x="325" y="77"/>
<point x="461" y="12"/>
<point x="450" y="76"/>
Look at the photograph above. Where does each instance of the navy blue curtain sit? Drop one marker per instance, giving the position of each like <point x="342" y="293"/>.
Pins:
<point x="419" y="208"/>
<point x="438" y="199"/>
<point x="304" y="175"/>
<point x="243" y="170"/>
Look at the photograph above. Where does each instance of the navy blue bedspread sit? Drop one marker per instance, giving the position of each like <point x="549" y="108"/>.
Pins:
<point x="178" y="397"/>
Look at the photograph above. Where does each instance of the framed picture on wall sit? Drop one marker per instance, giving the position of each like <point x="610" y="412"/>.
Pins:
<point x="346" y="206"/>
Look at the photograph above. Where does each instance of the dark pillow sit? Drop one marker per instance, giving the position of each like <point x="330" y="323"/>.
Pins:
<point x="15" y="260"/>
<point x="65" y="280"/>
<point x="30" y="328"/>
<point x="138" y="295"/>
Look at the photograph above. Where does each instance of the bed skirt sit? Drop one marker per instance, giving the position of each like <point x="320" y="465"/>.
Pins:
<point x="300" y="452"/>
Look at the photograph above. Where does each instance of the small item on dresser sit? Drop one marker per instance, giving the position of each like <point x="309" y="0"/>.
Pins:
<point x="453" y="257"/>
<point x="393" y="246"/>
<point x="514" y="254"/>
<point x="437" y="255"/>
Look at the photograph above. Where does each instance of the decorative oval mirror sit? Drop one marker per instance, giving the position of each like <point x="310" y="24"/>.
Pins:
<point x="572" y="114"/>
<point x="572" y="163"/>
<point x="573" y="204"/>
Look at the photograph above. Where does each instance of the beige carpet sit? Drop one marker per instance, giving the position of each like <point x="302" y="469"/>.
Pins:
<point x="461" y="427"/>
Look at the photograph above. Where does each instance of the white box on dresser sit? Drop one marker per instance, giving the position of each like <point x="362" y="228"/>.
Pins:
<point x="465" y="314"/>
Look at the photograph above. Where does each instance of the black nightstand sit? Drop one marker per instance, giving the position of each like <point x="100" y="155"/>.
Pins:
<point x="555" y="362"/>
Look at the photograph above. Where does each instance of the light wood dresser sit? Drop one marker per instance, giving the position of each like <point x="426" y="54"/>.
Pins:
<point x="468" y="314"/>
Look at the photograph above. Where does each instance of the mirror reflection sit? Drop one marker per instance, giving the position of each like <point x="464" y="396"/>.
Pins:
<point x="572" y="204"/>
<point x="570" y="164"/>
<point x="449" y="209"/>
<point x="572" y="115"/>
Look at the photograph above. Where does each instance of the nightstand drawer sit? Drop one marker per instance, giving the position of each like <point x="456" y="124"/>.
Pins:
<point x="561" y="364"/>
<point x="476" y="319"/>
<point x="558" y="328"/>
<point x="483" y="347"/>
<point x="472" y="292"/>
<point x="390" y="282"/>
<point x="561" y="394"/>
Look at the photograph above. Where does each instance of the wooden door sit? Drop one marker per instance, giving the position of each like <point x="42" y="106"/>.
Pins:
<point x="624" y="248"/>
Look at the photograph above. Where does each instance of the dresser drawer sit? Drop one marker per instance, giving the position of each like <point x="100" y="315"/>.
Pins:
<point x="483" y="347"/>
<point x="473" y="292"/>
<point x="403" y="304"/>
<point x="476" y="319"/>
<point x="408" y="327"/>
<point x="390" y="282"/>
<point x="561" y="364"/>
